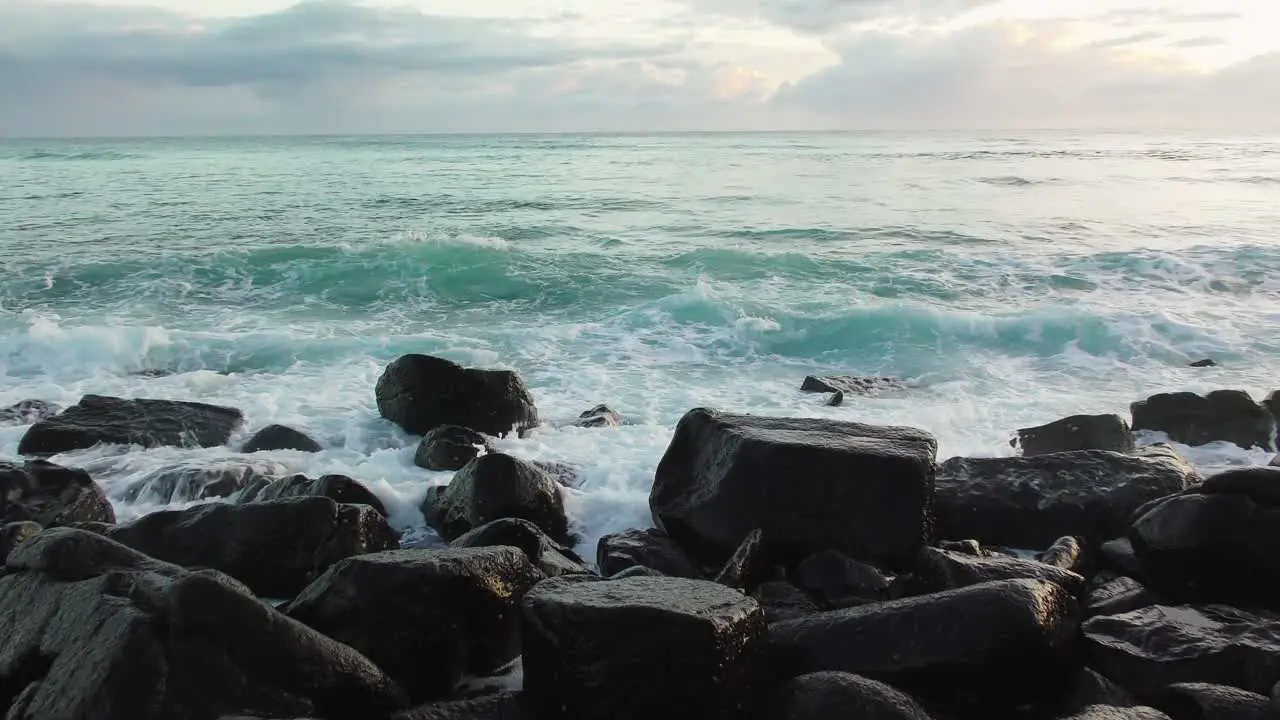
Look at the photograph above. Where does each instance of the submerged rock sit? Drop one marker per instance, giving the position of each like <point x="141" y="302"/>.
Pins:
<point x="550" y="557"/>
<point x="450" y="448"/>
<point x="850" y="384"/>
<point x="493" y="487"/>
<point x="1079" y="432"/>
<point x="115" y="421"/>
<point x="339" y="488"/>
<point x="27" y="412"/>
<point x="599" y="416"/>
<point x="50" y="495"/>
<point x="835" y="695"/>
<point x="279" y="437"/>
<point x="1200" y="701"/>
<point x="649" y="548"/>
<point x="420" y="393"/>
<point x="201" y="480"/>
<point x="809" y="484"/>
<point x="1223" y="415"/>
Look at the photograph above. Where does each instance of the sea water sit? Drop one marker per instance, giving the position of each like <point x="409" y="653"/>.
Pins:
<point x="1009" y="279"/>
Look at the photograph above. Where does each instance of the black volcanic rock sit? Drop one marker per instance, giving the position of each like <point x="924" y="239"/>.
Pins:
<point x="647" y="547"/>
<point x="50" y="495"/>
<point x="280" y="437"/>
<point x="850" y="384"/>
<point x="598" y="417"/>
<point x="835" y="695"/>
<point x="339" y="488"/>
<point x="1201" y="701"/>
<point x="550" y="557"/>
<point x="1079" y="432"/>
<point x="493" y="487"/>
<point x="420" y="393"/>
<point x="939" y="570"/>
<point x="1223" y="415"/>
<point x="114" y="421"/>
<point x="450" y="448"/>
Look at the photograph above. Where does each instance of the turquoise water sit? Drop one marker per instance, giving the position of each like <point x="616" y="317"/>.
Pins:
<point x="1010" y="279"/>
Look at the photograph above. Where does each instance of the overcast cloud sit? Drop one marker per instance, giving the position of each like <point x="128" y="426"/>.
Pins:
<point x="326" y="66"/>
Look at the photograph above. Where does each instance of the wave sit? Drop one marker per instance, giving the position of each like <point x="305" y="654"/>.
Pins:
<point x="55" y="155"/>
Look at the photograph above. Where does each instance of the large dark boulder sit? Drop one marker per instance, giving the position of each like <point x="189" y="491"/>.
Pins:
<point x="27" y="412"/>
<point x="983" y="647"/>
<point x="420" y="392"/>
<point x="598" y="417"/>
<point x="450" y="448"/>
<point x="1150" y="649"/>
<point x="51" y="495"/>
<point x="835" y="695"/>
<point x="939" y="570"/>
<point x="427" y="617"/>
<point x="115" y="421"/>
<point x="1078" y="432"/>
<point x="1092" y="689"/>
<point x="339" y="488"/>
<point x="1030" y="502"/>
<point x="781" y="600"/>
<point x="276" y="548"/>
<point x="840" y="581"/>
<point x="96" y="631"/>
<point x="850" y="384"/>
<point x="280" y="437"/>
<point x="1222" y="415"/>
<point x="201" y="480"/>
<point x="809" y="484"/>
<point x="642" y="647"/>
<point x="493" y="487"/>
<point x="1213" y="542"/>
<point x="550" y="557"/>
<point x="1118" y="596"/>
<point x="647" y="547"/>
<point x="1201" y="701"/>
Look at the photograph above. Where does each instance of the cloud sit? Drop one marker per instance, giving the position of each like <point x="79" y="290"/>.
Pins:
<point x="1160" y="15"/>
<point x="1134" y="39"/>
<point x="1200" y="41"/>
<point x="820" y="16"/>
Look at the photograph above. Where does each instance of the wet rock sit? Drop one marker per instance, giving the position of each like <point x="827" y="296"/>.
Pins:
<point x="114" y="421"/>
<point x="50" y="495"/>
<point x="1275" y="461"/>
<point x="1223" y="415"/>
<point x="15" y="533"/>
<point x="837" y="399"/>
<point x="1030" y="502"/>
<point x="939" y="570"/>
<point x="754" y="562"/>
<point x="550" y="557"/>
<point x="965" y="547"/>
<point x="420" y="393"/>
<point x="495" y="707"/>
<point x="1107" y="712"/>
<point x="1206" y="363"/>
<point x="96" y="631"/>
<point x="1118" y="555"/>
<point x="810" y="484"/>
<point x="450" y="448"/>
<point x="990" y="646"/>
<point x="339" y="488"/>
<point x="563" y="473"/>
<point x="1093" y="689"/>
<point x="493" y="487"/>
<point x="1067" y="553"/>
<point x="1200" y="701"/>
<point x="1117" y="597"/>
<point x="1151" y="649"/>
<point x="648" y="547"/>
<point x="599" y="416"/>
<point x="276" y="548"/>
<point x="850" y="385"/>
<point x="279" y="437"/>
<point x="640" y="648"/>
<point x="27" y="412"/>
<point x="1212" y="542"/>
<point x="637" y="571"/>
<point x="1078" y="432"/>
<point x="426" y="617"/>
<point x="840" y="581"/>
<point x="781" y="600"/>
<point x="201" y="480"/>
<point x="831" y="695"/>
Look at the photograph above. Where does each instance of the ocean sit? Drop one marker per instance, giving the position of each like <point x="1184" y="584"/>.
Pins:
<point x="1009" y="279"/>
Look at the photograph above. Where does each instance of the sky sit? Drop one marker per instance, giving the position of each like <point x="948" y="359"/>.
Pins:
<point x="215" y="67"/>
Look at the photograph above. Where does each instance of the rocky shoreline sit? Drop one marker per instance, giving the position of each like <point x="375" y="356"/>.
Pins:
<point x="797" y="569"/>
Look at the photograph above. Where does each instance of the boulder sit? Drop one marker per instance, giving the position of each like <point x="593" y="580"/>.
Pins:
<point x="837" y="399"/>
<point x="276" y="548"/>
<point x="279" y="437"/>
<point x="1118" y="555"/>
<point x="637" y="571"/>
<point x="339" y="488"/>
<point x="426" y="617"/>
<point x="850" y="384"/>
<point x="1107" y="712"/>
<point x="1221" y="416"/>
<point x="834" y="695"/>
<point x="1030" y="502"/>
<point x="648" y="548"/>
<point x="50" y="495"/>
<point x="965" y="547"/>
<point x="115" y="421"/>
<point x="983" y="647"/>
<point x="1150" y="649"/>
<point x="1200" y="701"/>
<point x="1117" y="597"/>
<point x="781" y="600"/>
<point x="939" y="570"/>
<point x="752" y="563"/>
<point x="201" y="480"/>
<point x="449" y="448"/>
<point x="1068" y="553"/>
<point x="598" y="417"/>
<point x="14" y="534"/>
<point x="1211" y="543"/>
<point x="1205" y="363"/>
<point x="550" y="557"/>
<point x="96" y="631"/>
<point x="27" y="412"/>
<point x="565" y="474"/>
<point x="493" y="487"/>
<point x="840" y="581"/>
<point x="809" y="484"/>
<point x="1078" y="432"/>
<point x="1093" y="689"/>
<point x="420" y="393"/>
<point x="505" y="706"/>
<point x="640" y="648"/>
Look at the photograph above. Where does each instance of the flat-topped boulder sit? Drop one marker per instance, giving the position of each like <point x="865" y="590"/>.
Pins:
<point x="280" y="437"/>
<point x="97" y="419"/>
<point x="1221" y="416"/>
<point x="1078" y="432"/>
<point x="809" y="484"/>
<point x="51" y="495"/>
<point x="421" y="392"/>
<point x="493" y="487"/>
<point x="852" y="385"/>
<point x="201" y="479"/>
<point x="339" y="488"/>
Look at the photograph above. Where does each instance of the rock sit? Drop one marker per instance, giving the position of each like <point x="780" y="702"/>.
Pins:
<point x="849" y="384"/>
<point x="753" y="563"/>
<point x="966" y="547"/>
<point x="1206" y="363"/>
<point x="276" y="548"/>
<point x="1223" y="415"/>
<point x="426" y="617"/>
<point x="640" y="648"/>
<point x="339" y="488"/>
<point x="1212" y="542"/>
<point x="96" y="631"/>
<point x="1079" y="432"/>
<point x="420" y="393"/>
<point x="279" y="437"/>
<point x="14" y="534"/>
<point x="1093" y="689"/>
<point x="1067" y="553"/>
<point x="995" y="645"/>
<point x="833" y="695"/>
<point x="201" y="480"/>
<point x="1199" y="701"/>
<point x="599" y="416"/>
<point x="493" y="487"/>
<point x="1029" y="502"/>
<point x="636" y="571"/>
<point x="1117" y="597"/>
<point x="1151" y="649"/>
<point x="648" y="547"/>
<point x="809" y="484"/>
<point x="114" y="421"/>
<point x="563" y="473"/>
<point x="939" y="570"/>
<point x="27" y="412"/>
<point x="550" y="557"/>
<point x="450" y="448"/>
<point x="841" y="581"/>
<point x="50" y="495"/>
<point x="1275" y="461"/>
<point x="837" y="399"/>
<point x="783" y="601"/>
<point x="1118" y="555"/>
<point x="1107" y="712"/>
<point x="505" y="706"/>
